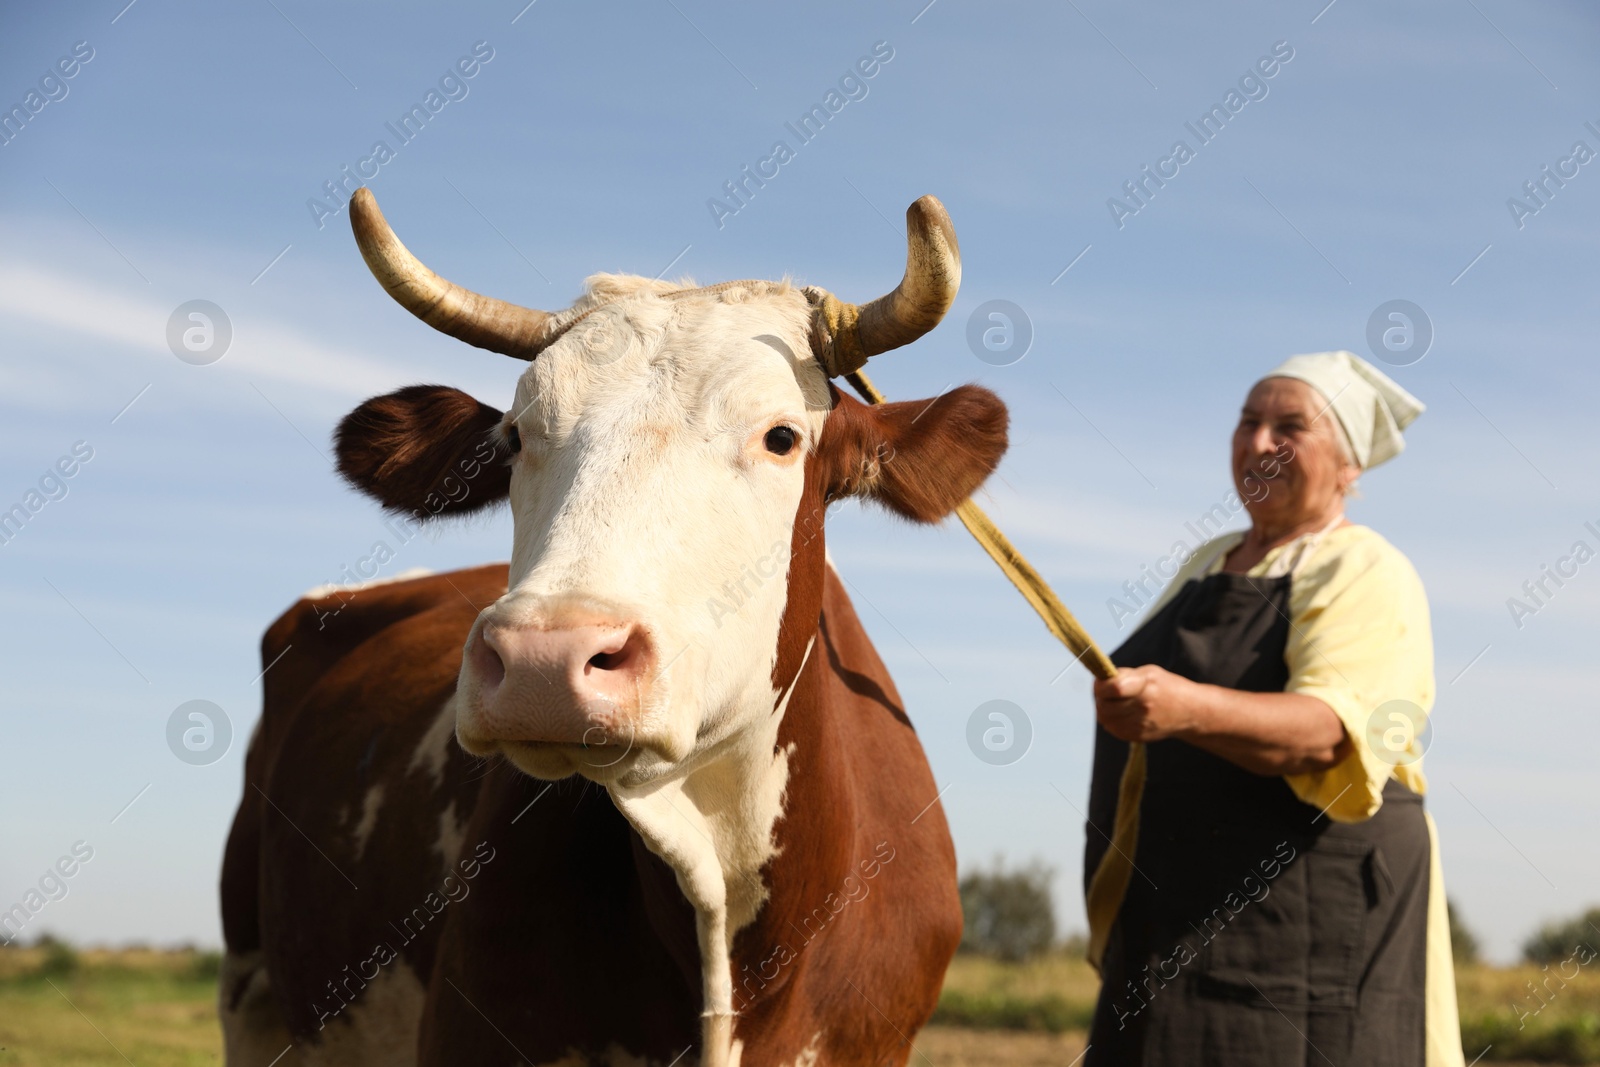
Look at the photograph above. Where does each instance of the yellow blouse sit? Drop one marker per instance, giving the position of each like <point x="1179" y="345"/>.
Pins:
<point x="1359" y="638"/>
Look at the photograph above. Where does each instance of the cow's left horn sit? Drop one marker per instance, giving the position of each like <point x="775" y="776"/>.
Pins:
<point x="476" y="319"/>
<point x="845" y="336"/>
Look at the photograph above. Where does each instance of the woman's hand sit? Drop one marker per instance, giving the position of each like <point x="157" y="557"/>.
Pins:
<point x="1265" y="733"/>
<point x="1146" y="703"/>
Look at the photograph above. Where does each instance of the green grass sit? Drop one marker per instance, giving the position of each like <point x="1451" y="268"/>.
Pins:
<point x="1493" y="1006"/>
<point x="1572" y="1040"/>
<point x="158" y="1009"/>
<point x="1056" y="994"/>
<point x="997" y="1011"/>
<point x="155" y="1009"/>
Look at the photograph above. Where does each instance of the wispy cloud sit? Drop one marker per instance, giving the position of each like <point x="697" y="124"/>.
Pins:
<point x="263" y="348"/>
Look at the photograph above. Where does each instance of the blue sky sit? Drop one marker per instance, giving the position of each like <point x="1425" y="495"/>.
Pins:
<point x="179" y="163"/>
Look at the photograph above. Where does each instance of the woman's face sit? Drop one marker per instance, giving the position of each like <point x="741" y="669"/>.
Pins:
<point x="1288" y="467"/>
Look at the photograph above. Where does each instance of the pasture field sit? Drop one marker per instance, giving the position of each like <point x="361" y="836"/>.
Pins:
<point x="157" y="1008"/>
<point x="93" y="1007"/>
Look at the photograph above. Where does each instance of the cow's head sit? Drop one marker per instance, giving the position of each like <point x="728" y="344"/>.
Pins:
<point x="668" y="456"/>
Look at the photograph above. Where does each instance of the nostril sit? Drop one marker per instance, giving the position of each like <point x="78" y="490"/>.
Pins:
<point x="624" y="652"/>
<point x="487" y="662"/>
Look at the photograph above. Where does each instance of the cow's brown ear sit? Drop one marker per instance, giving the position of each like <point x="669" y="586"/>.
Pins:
<point x="425" y="450"/>
<point x="918" y="458"/>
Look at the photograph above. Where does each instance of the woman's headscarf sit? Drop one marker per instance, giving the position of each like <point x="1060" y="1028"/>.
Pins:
<point x="1370" y="406"/>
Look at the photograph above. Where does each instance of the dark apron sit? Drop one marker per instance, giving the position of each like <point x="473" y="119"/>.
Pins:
<point x="1255" y="932"/>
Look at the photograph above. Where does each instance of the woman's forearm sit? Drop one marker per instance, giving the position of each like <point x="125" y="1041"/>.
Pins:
<point x="1266" y="733"/>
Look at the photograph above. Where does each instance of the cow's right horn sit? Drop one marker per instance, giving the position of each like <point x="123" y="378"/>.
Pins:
<point x="479" y="320"/>
<point x="845" y="336"/>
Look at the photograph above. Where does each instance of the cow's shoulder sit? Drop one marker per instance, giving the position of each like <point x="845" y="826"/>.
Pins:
<point x="323" y="627"/>
<point x="361" y="784"/>
<point x="366" y="652"/>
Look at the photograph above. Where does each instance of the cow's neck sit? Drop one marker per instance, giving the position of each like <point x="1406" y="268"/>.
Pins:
<point x="713" y="827"/>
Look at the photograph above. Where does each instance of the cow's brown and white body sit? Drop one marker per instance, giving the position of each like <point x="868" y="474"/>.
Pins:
<point x="646" y="795"/>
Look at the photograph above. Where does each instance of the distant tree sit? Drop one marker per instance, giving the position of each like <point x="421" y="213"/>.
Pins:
<point x="1558" y="940"/>
<point x="1464" y="944"/>
<point x="60" y="958"/>
<point x="1009" y="914"/>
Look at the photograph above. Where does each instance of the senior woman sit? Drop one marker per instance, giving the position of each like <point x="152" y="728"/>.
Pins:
<point x="1263" y="885"/>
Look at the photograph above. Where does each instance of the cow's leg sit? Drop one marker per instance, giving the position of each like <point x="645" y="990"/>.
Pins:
<point x="253" y="1029"/>
<point x="379" y="1029"/>
<point x="253" y="1033"/>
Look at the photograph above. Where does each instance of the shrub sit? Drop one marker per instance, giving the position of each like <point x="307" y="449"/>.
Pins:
<point x="1008" y="915"/>
<point x="1558" y="940"/>
<point x="60" y="958"/>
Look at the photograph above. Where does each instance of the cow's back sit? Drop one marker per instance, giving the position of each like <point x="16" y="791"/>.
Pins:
<point x="355" y="800"/>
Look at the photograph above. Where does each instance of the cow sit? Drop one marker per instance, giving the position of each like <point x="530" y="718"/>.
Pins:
<point x="645" y="794"/>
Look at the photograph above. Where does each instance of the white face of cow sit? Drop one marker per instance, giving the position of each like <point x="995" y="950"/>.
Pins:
<point x="661" y="462"/>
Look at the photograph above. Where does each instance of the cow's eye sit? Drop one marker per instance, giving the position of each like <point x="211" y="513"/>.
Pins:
<point x="780" y="440"/>
<point x="514" y="439"/>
